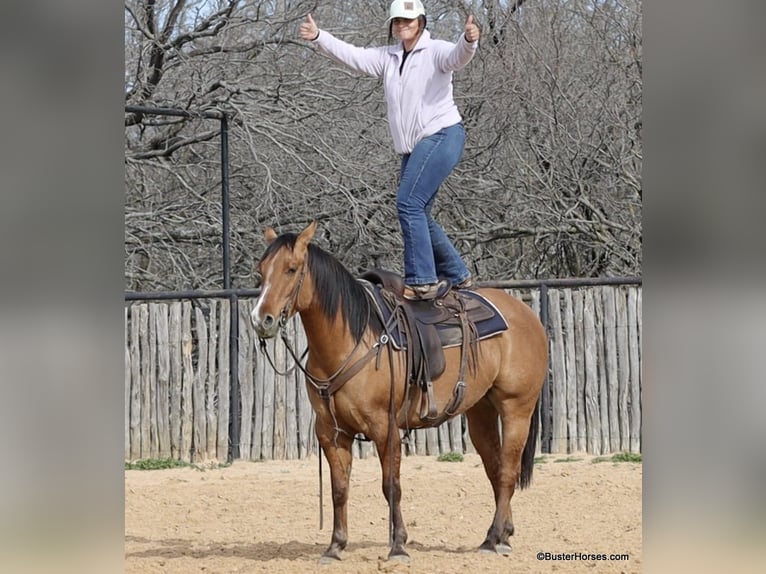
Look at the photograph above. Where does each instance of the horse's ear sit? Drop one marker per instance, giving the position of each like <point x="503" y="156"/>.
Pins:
<point x="306" y="236"/>
<point x="270" y="235"/>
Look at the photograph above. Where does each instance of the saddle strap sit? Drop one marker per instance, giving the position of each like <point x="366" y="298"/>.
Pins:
<point x="343" y="377"/>
<point x="413" y="353"/>
<point x="458" y="393"/>
<point x="457" y="398"/>
<point x="428" y="408"/>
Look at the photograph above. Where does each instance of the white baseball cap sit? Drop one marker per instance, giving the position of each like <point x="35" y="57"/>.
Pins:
<point x="409" y="9"/>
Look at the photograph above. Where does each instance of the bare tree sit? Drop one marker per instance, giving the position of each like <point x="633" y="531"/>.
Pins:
<point x="549" y="185"/>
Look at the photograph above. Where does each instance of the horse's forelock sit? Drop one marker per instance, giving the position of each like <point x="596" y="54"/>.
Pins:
<point x="284" y="240"/>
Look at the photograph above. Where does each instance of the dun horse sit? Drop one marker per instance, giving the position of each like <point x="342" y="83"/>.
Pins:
<point x="344" y="336"/>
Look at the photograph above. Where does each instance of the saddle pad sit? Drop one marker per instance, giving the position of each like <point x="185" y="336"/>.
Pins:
<point x="491" y="325"/>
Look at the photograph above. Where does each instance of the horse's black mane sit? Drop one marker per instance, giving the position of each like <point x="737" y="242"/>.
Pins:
<point x="336" y="289"/>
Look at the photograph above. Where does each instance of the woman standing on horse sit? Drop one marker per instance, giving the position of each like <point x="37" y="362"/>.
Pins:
<point x="426" y="128"/>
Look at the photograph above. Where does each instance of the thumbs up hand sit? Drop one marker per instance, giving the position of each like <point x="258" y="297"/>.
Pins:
<point x="471" y="30"/>
<point x="308" y="30"/>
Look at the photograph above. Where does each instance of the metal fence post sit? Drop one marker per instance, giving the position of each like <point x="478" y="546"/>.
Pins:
<point x="546" y="432"/>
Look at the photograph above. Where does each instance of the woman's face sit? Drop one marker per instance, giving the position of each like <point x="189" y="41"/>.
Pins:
<point x="406" y="29"/>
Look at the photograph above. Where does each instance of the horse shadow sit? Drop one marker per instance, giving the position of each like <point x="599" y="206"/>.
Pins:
<point x="170" y="548"/>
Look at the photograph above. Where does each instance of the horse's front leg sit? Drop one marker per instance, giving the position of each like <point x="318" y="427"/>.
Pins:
<point x="337" y="450"/>
<point x="393" y="493"/>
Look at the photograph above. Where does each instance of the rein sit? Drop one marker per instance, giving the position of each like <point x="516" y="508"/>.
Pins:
<point x="327" y="387"/>
<point x="298" y="360"/>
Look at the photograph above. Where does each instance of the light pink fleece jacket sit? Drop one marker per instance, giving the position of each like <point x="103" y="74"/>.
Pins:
<point x="419" y="101"/>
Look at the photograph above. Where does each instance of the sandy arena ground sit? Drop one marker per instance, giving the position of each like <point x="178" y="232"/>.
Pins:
<point x="264" y="517"/>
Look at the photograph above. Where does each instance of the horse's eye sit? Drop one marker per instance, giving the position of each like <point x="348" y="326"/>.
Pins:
<point x="291" y="270"/>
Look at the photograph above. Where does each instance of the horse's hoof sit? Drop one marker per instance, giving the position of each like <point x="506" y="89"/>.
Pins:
<point x="503" y="549"/>
<point x="325" y="560"/>
<point x="402" y="558"/>
<point x="487" y="548"/>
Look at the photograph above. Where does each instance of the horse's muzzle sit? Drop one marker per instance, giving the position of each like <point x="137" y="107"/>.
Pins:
<point x="266" y="327"/>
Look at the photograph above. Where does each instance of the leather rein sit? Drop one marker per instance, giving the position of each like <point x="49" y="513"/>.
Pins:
<point x="325" y="387"/>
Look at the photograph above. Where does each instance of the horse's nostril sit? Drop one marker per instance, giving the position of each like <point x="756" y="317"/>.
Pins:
<point x="268" y="321"/>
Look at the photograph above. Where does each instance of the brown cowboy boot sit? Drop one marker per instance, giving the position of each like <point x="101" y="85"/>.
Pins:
<point x="465" y="284"/>
<point x="425" y="292"/>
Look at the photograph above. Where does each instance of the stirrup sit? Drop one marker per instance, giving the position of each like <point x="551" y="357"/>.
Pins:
<point x="426" y="292"/>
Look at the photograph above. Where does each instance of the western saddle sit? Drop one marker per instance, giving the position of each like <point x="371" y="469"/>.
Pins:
<point x="424" y="328"/>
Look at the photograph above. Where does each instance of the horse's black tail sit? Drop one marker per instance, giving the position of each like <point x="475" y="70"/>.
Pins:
<point x="528" y="456"/>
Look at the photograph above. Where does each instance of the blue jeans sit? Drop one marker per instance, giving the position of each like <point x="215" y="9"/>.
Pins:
<point x="428" y="254"/>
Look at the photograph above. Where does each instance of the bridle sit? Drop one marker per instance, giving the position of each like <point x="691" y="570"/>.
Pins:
<point x="325" y="387"/>
<point x="292" y="301"/>
<point x="284" y="316"/>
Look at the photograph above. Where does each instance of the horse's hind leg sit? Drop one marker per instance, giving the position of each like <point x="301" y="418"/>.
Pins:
<point x="485" y="434"/>
<point x="338" y="453"/>
<point x="393" y="496"/>
<point x="515" y="429"/>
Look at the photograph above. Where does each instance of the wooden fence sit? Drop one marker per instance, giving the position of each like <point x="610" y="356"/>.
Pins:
<point x="177" y="382"/>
